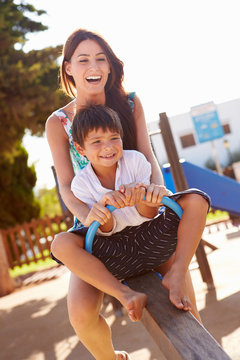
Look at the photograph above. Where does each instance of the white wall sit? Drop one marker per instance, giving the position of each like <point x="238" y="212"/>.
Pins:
<point x="229" y="112"/>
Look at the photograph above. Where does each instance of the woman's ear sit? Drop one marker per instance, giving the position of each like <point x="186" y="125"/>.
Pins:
<point x="79" y="149"/>
<point x="67" y="66"/>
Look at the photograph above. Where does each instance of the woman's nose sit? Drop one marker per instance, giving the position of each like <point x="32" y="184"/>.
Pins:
<point x="93" y="64"/>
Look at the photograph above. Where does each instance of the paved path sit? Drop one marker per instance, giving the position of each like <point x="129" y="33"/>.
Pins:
<point x="34" y="323"/>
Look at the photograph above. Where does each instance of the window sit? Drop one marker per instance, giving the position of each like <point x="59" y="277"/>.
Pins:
<point x="187" y="140"/>
<point x="226" y="128"/>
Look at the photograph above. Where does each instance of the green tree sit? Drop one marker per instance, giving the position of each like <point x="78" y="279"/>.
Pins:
<point x="49" y="202"/>
<point x="28" y="81"/>
<point x="17" y="202"/>
<point x="28" y="94"/>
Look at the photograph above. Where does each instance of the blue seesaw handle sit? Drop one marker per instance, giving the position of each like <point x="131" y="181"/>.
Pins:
<point x="95" y="224"/>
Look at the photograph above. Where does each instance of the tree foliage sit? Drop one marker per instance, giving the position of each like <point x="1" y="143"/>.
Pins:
<point x="49" y="202"/>
<point x="28" y="94"/>
<point x="28" y="81"/>
<point x="17" y="202"/>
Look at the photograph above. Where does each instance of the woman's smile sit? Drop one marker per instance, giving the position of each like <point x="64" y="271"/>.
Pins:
<point x="94" y="79"/>
<point x="89" y="68"/>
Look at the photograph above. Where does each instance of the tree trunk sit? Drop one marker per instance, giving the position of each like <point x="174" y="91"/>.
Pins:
<point x="6" y="283"/>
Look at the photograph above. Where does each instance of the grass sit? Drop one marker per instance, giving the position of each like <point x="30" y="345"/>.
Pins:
<point x="217" y="215"/>
<point x="31" y="267"/>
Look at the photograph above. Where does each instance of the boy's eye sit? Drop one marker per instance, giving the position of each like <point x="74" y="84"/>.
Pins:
<point x="116" y="136"/>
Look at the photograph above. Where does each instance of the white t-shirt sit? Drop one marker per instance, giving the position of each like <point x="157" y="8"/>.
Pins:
<point x="132" y="167"/>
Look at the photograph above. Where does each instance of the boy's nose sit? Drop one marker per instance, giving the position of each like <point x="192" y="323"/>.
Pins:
<point x="108" y="145"/>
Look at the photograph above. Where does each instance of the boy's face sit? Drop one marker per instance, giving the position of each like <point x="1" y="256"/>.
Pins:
<point x="103" y="148"/>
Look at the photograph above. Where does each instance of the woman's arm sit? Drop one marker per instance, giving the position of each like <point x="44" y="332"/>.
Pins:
<point x="143" y="142"/>
<point x="59" y="146"/>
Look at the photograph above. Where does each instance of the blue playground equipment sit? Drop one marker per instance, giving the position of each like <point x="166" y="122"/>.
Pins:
<point x="224" y="191"/>
<point x="95" y="225"/>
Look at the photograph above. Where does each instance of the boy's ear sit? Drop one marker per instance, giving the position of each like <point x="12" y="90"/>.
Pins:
<point x="79" y="149"/>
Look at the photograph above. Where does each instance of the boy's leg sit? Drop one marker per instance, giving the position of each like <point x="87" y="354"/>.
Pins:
<point x="164" y="268"/>
<point x="68" y="248"/>
<point x="177" y="279"/>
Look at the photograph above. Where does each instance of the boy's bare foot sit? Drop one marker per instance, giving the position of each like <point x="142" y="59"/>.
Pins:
<point x="134" y="302"/>
<point x="175" y="281"/>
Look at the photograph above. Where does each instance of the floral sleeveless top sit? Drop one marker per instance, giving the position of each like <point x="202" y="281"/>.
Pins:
<point x="79" y="161"/>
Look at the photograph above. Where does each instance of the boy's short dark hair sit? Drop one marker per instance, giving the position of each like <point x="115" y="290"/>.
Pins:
<point x="94" y="117"/>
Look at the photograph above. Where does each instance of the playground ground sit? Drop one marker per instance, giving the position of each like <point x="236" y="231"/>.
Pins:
<point x="34" y="323"/>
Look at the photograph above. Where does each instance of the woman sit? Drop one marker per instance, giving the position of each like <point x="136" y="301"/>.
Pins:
<point x="91" y="73"/>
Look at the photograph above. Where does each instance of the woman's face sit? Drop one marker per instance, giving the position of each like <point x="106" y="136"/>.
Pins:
<point x="89" y="68"/>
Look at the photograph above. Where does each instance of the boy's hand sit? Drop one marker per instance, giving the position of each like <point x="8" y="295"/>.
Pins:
<point x="154" y="195"/>
<point x="133" y="192"/>
<point x="115" y="198"/>
<point x="99" y="213"/>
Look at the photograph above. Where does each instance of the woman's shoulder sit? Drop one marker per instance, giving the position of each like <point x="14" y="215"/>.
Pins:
<point x="62" y="112"/>
<point x="52" y="121"/>
<point x="57" y="125"/>
<point x="131" y="99"/>
<point x="59" y="118"/>
<point x="55" y="122"/>
<point x="131" y="95"/>
<point x="55" y="116"/>
<point x="135" y="102"/>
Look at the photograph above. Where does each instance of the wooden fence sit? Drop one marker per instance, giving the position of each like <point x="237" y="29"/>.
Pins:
<point x="31" y="241"/>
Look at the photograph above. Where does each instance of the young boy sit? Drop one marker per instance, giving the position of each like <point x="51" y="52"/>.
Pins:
<point x="97" y="135"/>
<point x="134" y="238"/>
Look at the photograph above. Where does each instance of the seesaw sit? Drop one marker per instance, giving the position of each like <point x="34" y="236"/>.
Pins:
<point x="177" y="333"/>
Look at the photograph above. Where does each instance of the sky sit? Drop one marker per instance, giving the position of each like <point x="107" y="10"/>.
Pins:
<point x="176" y="54"/>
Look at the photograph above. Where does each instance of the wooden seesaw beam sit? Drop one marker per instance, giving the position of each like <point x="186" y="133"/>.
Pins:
<point x="177" y="333"/>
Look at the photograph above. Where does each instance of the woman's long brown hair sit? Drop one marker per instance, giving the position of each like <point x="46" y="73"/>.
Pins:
<point x="116" y="97"/>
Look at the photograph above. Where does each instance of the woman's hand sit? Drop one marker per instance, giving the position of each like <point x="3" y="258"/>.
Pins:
<point x="154" y="195"/>
<point x="149" y="206"/>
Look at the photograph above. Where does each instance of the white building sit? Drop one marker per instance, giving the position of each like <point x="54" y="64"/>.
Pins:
<point x="187" y="142"/>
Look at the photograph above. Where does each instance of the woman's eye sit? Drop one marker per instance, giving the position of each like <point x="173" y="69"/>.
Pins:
<point x="101" y="59"/>
<point x="83" y="60"/>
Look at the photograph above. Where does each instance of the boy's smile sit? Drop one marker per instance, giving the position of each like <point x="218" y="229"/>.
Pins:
<point x="103" y="148"/>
